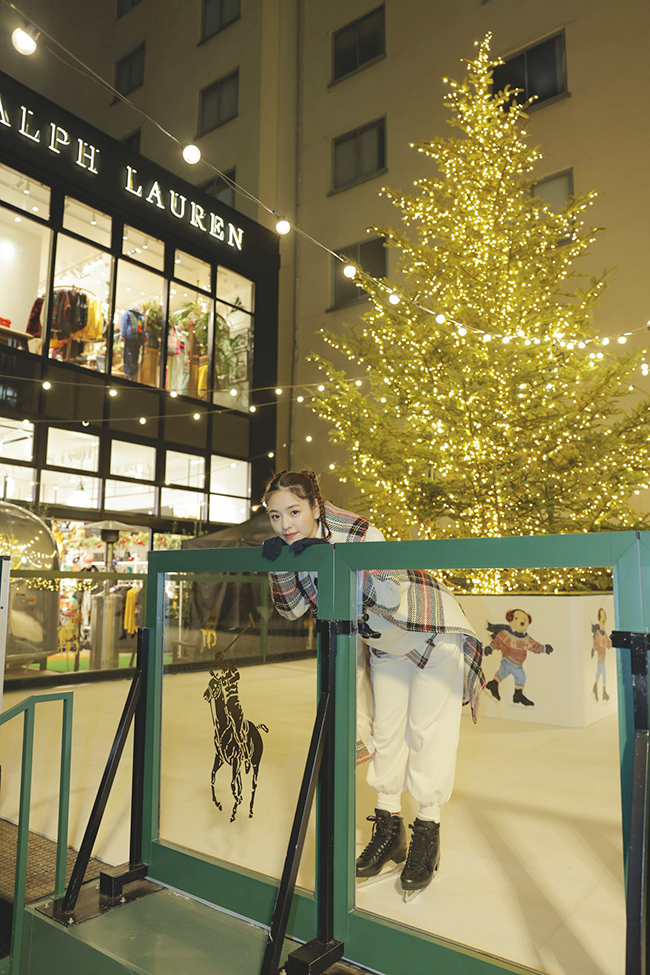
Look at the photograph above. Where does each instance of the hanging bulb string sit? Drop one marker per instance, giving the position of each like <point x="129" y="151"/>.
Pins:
<point x="77" y="64"/>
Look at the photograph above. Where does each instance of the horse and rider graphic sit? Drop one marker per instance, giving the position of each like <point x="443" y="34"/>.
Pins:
<point x="237" y="742"/>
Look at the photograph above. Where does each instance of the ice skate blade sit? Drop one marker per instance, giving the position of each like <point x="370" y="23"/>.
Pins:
<point x="410" y="895"/>
<point x="385" y="873"/>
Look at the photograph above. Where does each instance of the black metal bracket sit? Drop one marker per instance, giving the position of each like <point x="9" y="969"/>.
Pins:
<point x="112" y="881"/>
<point x="636" y="953"/>
<point x="317" y="955"/>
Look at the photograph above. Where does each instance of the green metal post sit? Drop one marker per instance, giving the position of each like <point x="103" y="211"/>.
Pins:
<point x="64" y="797"/>
<point x="264" y="620"/>
<point x="23" y="838"/>
<point x="155" y="620"/>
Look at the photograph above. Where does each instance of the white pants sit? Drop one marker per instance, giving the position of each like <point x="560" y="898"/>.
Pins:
<point x="416" y="727"/>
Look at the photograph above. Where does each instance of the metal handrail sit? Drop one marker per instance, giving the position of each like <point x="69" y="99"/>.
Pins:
<point x="28" y="709"/>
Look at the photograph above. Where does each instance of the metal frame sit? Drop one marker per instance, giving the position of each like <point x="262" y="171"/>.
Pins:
<point x="377" y="944"/>
<point x="5" y="566"/>
<point x="28" y="709"/>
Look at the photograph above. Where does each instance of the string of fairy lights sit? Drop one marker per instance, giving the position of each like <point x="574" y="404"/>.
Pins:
<point x="26" y="39"/>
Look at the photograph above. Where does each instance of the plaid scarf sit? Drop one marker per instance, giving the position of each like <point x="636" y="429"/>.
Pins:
<point x="424" y="605"/>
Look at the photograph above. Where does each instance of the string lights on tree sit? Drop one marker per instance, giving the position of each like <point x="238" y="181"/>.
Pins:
<point x="490" y="405"/>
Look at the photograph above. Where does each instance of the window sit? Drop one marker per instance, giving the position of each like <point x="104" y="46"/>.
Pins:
<point x="16" y="439"/>
<point x="555" y="191"/>
<point x="359" y="155"/>
<point x="539" y="70"/>
<point x="126" y="496"/>
<point x="138" y="324"/>
<point x="75" y="451"/>
<point x="132" y="141"/>
<point x="186" y="470"/>
<point x="129" y="71"/>
<point x="143" y="248"/>
<point x="133" y="460"/>
<point x="58" y="487"/>
<point x="25" y="248"/>
<point x="229" y="490"/>
<point x="123" y="6"/>
<point x="217" y="14"/>
<point x="221" y="189"/>
<point x="23" y="193"/>
<point x="175" y="503"/>
<point x="188" y="342"/>
<point x="359" y="43"/>
<point x="218" y="103"/>
<point x="82" y="281"/>
<point x="193" y="271"/>
<point x="86" y="222"/>
<point x="16" y="483"/>
<point x="371" y="256"/>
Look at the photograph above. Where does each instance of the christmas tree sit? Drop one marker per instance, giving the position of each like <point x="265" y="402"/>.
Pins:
<point x="487" y="405"/>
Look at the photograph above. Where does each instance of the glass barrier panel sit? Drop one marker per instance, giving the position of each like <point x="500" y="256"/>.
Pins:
<point x="25" y="248"/>
<point x="82" y="280"/>
<point x="239" y="702"/>
<point x="523" y="807"/>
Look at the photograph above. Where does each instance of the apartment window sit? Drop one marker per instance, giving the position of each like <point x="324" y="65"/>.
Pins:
<point x="221" y="189"/>
<point x="123" y="6"/>
<point x="218" y="103"/>
<point x="132" y="141"/>
<point x="556" y="190"/>
<point x="359" y="155"/>
<point x="218" y="14"/>
<point x="369" y="255"/>
<point x="129" y="71"/>
<point x="359" y="43"/>
<point x="540" y="70"/>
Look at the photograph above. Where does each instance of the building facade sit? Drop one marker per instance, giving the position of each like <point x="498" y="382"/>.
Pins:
<point x="312" y="107"/>
<point x="138" y="325"/>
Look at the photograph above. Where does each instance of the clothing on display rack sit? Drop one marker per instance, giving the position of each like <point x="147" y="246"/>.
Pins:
<point x="134" y="336"/>
<point x="179" y="359"/>
<point x="75" y="312"/>
<point x="131" y="600"/>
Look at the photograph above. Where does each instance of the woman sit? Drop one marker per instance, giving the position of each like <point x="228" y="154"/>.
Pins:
<point x="424" y="660"/>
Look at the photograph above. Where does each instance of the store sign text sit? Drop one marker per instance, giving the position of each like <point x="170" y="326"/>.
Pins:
<point x="87" y="156"/>
<point x="183" y="209"/>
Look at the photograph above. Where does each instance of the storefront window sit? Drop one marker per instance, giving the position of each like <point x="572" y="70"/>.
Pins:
<point x="229" y="511"/>
<point x="87" y="222"/>
<point x="16" y="483"/>
<point x="234" y="289"/>
<point x="80" y="303"/>
<point x="194" y="272"/>
<point x="25" y="248"/>
<point x="58" y="487"/>
<point x="228" y="476"/>
<point x="133" y="460"/>
<point x="16" y="439"/>
<point x="138" y="324"/>
<point x="130" y="496"/>
<point x="187" y="470"/>
<point x="67" y="448"/>
<point x="188" y="342"/>
<point x="233" y="345"/>
<point x="143" y="248"/>
<point x="181" y="504"/>
<point x="24" y="193"/>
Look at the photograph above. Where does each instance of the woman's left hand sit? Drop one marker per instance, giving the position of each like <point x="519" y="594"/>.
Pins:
<point x="304" y="543"/>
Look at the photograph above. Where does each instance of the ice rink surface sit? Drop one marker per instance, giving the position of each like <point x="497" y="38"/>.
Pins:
<point x="531" y="867"/>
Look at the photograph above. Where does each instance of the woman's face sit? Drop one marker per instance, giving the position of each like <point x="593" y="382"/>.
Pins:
<point x="291" y="517"/>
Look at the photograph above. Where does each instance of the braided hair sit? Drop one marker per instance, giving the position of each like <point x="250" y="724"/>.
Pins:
<point x="304" y="484"/>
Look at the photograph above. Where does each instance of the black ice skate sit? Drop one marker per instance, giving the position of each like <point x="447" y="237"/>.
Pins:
<point x="594" y="691"/>
<point x="519" y="698"/>
<point x="605" y="694"/>
<point x="423" y="858"/>
<point x="493" y="687"/>
<point x="387" y="845"/>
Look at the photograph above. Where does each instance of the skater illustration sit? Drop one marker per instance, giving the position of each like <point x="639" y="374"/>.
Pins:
<point x="421" y="671"/>
<point x="237" y="742"/>
<point x="514" y="643"/>
<point x="601" y="645"/>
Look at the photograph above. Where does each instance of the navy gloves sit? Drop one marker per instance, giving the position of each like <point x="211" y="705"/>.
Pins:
<point x="273" y="546"/>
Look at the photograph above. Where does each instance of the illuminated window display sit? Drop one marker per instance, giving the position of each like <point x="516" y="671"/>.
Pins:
<point x="80" y="302"/>
<point x="138" y="324"/>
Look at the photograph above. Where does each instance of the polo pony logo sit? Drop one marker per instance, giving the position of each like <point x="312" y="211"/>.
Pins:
<point x="237" y="742"/>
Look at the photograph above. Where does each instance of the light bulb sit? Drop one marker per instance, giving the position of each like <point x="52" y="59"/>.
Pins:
<point x="394" y="298"/>
<point x="173" y="394"/>
<point x="112" y="392"/>
<point x="349" y="271"/>
<point x="233" y="392"/>
<point x="191" y="154"/>
<point x="440" y="319"/>
<point x="142" y="420"/>
<point x="300" y="399"/>
<point x="252" y="409"/>
<point x="622" y="340"/>
<point x="24" y="40"/>
<point x="47" y="385"/>
<point x="278" y="392"/>
<point x="197" y="416"/>
<point x="283" y="227"/>
<point x="271" y="454"/>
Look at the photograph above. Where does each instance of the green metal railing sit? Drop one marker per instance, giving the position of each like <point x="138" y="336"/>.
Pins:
<point x="28" y="709"/>
<point x="382" y="945"/>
